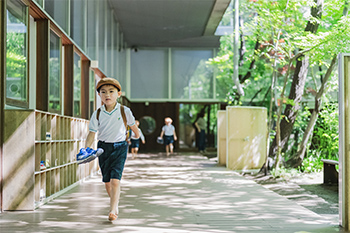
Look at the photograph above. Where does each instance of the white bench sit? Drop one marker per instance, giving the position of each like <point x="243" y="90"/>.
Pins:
<point x="330" y="173"/>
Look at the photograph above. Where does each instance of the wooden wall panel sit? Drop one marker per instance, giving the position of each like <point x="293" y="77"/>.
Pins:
<point x="68" y="79"/>
<point x="85" y="95"/>
<point x="42" y="65"/>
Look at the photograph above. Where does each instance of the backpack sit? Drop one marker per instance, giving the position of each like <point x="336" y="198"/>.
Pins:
<point x="128" y="130"/>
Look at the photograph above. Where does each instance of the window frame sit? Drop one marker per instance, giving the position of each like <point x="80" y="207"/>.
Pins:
<point x="76" y="52"/>
<point x="52" y="30"/>
<point x="11" y="101"/>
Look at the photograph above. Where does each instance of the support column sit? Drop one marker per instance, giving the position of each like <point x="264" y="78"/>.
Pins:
<point x="2" y="91"/>
<point x="68" y="79"/>
<point x="344" y="139"/>
<point x="42" y="64"/>
<point x="85" y="89"/>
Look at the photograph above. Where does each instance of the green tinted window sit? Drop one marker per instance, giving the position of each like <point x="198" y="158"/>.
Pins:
<point x="16" y="54"/>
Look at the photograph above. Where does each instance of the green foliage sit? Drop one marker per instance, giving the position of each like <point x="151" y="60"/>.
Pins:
<point x="312" y="163"/>
<point x="324" y="143"/>
<point x="54" y="77"/>
<point x="284" y="173"/>
<point x="224" y="67"/>
<point x="15" y="58"/>
<point x="15" y="43"/>
<point x="331" y="39"/>
<point x="15" y="65"/>
<point x="326" y="133"/>
<point x="225" y="88"/>
<point x="300" y="125"/>
<point x="200" y="83"/>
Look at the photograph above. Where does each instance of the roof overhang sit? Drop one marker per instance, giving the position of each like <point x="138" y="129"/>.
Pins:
<point x="169" y="23"/>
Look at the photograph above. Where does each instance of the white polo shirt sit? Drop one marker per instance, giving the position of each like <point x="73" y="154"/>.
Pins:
<point x="110" y="126"/>
<point x="168" y="130"/>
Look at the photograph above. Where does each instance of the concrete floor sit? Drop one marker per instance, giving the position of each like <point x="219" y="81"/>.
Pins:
<point x="182" y="193"/>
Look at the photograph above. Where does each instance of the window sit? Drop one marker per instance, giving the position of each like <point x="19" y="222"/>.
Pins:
<point x="77" y="86"/>
<point x="58" y="10"/>
<point x="147" y="82"/>
<point x="55" y="74"/>
<point x="92" y="92"/>
<point x="147" y="125"/>
<point x="16" y="54"/>
<point x="77" y="29"/>
<point x="102" y="35"/>
<point x="191" y="78"/>
<point x="91" y="29"/>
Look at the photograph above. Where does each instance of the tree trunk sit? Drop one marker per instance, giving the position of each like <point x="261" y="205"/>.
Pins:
<point x="298" y="158"/>
<point x="290" y="113"/>
<point x="297" y="88"/>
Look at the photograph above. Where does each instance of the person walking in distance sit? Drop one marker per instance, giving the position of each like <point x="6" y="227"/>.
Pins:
<point x="201" y="126"/>
<point x="168" y="131"/>
<point x="135" y="142"/>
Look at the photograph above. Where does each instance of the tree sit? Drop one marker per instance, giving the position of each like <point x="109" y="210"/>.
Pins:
<point x="281" y="42"/>
<point x="336" y="37"/>
<point x="297" y="87"/>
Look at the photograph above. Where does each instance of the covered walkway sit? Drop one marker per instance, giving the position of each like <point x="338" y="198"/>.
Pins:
<point x="183" y="193"/>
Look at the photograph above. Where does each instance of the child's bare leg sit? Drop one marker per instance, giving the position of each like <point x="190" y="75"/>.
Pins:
<point x="171" y="148"/>
<point x="133" y="152"/>
<point x="115" y="195"/>
<point x="167" y="149"/>
<point x="108" y="188"/>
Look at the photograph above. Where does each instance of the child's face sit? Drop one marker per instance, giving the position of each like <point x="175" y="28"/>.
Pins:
<point x="109" y="94"/>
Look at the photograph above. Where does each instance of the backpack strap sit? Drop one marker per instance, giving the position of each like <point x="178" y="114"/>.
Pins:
<point x="122" y="111"/>
<point x="98" y="115"/>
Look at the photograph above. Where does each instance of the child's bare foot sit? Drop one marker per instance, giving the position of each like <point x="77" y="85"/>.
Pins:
<point x="112" y="216"/>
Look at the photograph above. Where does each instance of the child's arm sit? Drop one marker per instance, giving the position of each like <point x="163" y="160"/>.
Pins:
<point x="197" y="126"/>
<point x="161" y="134"/>
<point x="142" y="137"/>
<point x="135" y="129"/>
<point x="175" y="138"/>
<point x="90" y="139"/>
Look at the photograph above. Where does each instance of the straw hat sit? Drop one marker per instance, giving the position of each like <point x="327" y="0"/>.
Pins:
<point x="108" y="81"/>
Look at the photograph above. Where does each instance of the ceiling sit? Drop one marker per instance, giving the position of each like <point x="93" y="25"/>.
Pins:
<point x="169" y="23"/>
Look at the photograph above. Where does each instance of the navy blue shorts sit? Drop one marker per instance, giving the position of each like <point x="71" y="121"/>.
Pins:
<point x="112" y="160"/>
<point x="168" y="139"/>
<point x="135" y="143"/>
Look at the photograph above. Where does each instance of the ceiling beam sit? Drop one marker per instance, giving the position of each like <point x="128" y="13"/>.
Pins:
<point x="216" y="15"/>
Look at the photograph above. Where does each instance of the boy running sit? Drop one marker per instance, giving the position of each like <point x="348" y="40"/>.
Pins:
<point x="108" y="122"/>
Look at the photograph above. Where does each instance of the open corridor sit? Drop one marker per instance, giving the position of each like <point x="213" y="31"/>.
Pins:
<point x="182" y="193"/>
